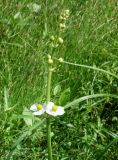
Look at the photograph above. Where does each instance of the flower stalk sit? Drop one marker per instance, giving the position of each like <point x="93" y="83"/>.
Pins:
<point x="48" y="117"/>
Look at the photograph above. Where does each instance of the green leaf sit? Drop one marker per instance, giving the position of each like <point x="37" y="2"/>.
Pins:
<point x="64" y="97"/>
<point x="57" y="90"/>
<point x="28" y="117"/>
<point x="81" y="99"/>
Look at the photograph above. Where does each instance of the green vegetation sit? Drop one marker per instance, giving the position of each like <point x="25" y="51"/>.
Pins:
<point x="86" y="83"/>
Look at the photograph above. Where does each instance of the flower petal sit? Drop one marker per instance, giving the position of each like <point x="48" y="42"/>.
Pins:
<point x="34" y="107"/>
<point x="40" y="112"/>
<point x="50" y="112"/>
<point x="50" y="105"/>
<point x="60" y="111"/>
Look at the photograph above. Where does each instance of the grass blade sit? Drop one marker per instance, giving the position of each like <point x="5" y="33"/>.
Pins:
<point x="81" y="99"/>
<point x="100" y="157"/>
<point x="24" y="135"/>
<point x="93" y="68"/>
<point x="6" y="97"/>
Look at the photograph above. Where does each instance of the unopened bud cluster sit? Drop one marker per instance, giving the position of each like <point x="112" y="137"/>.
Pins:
<point x="56" y="41"/>
<point x="50" y="60"/>
<point x="63" y="18"/>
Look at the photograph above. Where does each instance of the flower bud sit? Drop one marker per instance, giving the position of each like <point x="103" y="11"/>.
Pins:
<point x="50" y="61"/>
<point x="62" y="18"/>
<point x="67" y="11"/>
<point x="52" y="38"/>
<point x="62" y="25"/>
<point x="49" y="56"/>
<point x="54" y="45"/>
<point x="61" y="60"/>
<point x="60" y="40"/>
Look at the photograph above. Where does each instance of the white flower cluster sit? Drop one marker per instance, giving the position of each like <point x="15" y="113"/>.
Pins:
<point x="50" y="108"/>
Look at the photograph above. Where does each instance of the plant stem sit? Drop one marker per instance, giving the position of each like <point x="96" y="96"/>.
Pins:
<point x="49" y="84"/>
<point x="49" y="139"/>
<point x="48" y="118"/>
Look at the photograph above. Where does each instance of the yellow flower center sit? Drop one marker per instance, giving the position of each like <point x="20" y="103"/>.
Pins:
<point x="54" y="108"/>
<point x="39" y="107"/>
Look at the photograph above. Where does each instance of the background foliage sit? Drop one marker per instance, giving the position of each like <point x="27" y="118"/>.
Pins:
<point x="91" y="38"/>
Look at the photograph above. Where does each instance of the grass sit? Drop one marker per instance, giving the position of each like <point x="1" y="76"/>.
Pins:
<point x="91" y="39"/>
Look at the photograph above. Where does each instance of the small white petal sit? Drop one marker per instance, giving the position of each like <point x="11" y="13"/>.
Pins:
<point x="44" y="106"/>
<point x="40" y="112"/>
<point x="60" y="111"/>
<point x="50" y="105"/>
<point x="54" y="114"/>
<point x="50" y="112"/>
<point x="33" y="107"/>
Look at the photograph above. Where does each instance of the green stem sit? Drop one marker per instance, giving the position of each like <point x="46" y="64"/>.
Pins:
<point x="49" y="84"/>
<point x="48" y="118"/>
<point x="49" y="139"/>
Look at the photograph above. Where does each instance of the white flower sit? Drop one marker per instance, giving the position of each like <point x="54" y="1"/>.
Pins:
<point x="50" y="108"/>
<point x="54" y="110"/>
<point x="38" y="109"/>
